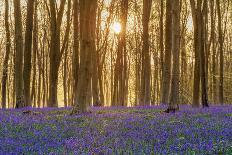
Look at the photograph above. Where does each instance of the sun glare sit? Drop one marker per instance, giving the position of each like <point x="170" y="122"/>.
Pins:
<point x="117" y="27"/>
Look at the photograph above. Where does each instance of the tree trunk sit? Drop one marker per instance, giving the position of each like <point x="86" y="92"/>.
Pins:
<point x="35" y="50"/>
<point x="55" y="52"/>
<point x="75" y="61"/>
<point x="196" y="81"/>
<point x="7" y="55"/>
<point x="27" y="52"/>
<point x="18" y="55"/>
<point x="87" y="37"/>
<point x="145" y="96"/>
<point x="167" y="57"/>
<point x="220" y="97"/>
<point x="174" y="94"/>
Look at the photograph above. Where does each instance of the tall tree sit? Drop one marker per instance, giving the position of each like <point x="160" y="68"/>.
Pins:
<point x="174" y="94"/>
<point x="75" y="57"/>
<point x="28" y="51"/>
<point x="87" y="44"/>
<point x="120" y="90"/>
<point x="7" y="54"/>
<point x="198" y="13"/>
<point x="167" y="56"/>
<point x="212" y="18"/>
<point x="18" y="55"/>
<point x="145" y="96"/>
<point x="55" y="51"/>
<point x="220" y="97"/>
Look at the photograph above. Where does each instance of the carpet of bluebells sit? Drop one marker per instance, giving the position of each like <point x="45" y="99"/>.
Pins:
<point x="140" y="130"/>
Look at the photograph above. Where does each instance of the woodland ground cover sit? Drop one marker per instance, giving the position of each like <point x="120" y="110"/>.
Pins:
<point x="140" y="130"/>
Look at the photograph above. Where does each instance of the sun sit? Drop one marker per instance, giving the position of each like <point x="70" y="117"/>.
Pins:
<point x="116" y="27"/>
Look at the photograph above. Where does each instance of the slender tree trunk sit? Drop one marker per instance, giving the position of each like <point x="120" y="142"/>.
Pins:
<point x="75" y="61"/>
<point x="18" y="55"/>
<point x="220" y="97"/>
<point x="202" y="42"/>
<point x="35" y="50"/>
<point x="174" y="94"/>
<point x="196" y="80"/>
<point x="214" y="85"/>
<point x="167" y="57"/>
<point x="145" y="96"/>
<point x="55" y="51"/>
<point x="7" y="55"/>
<point x="27" y="52"/>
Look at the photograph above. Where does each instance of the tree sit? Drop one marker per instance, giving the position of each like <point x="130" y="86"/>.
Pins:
<point x="18" y="55"/>
<point x="198" y="13"/>
<point x="220" y="98"/>
<point x="120" y="90"/>
<point x="75" y="57"/>
<point x="145" y="97"/>
<point x="174" y="94"/>
<point x="7" y="54"/>
<point x="28" y="51"/>
<point x="87" y="45"/>
<point x="55" y="50"/>
<point x="167" y="56"/>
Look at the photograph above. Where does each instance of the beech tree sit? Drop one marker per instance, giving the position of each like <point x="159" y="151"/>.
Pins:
<point x="28" y="51"/>
<point x="7" y="54"/>
<point x="87" y="46"/>
<point x="18" y="55"/>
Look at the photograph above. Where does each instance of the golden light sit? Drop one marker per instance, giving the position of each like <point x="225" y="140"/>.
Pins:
<point x="117" y="27"/>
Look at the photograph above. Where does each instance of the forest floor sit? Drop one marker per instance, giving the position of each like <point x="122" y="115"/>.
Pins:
<point x="140" y="130"/>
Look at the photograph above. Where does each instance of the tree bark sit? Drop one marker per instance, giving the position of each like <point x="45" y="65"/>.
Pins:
<point x="55" y="51"/>
<point x="87" y="44"/>
<point x="145" y="96"/>
<point x="27" y="52"/>
<point x="167" y="56"/>
<point x="7" y="55"/>
<point x="174" y="94"/>
<point x="220" y="97"/>
<point x="18" y="55"/>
